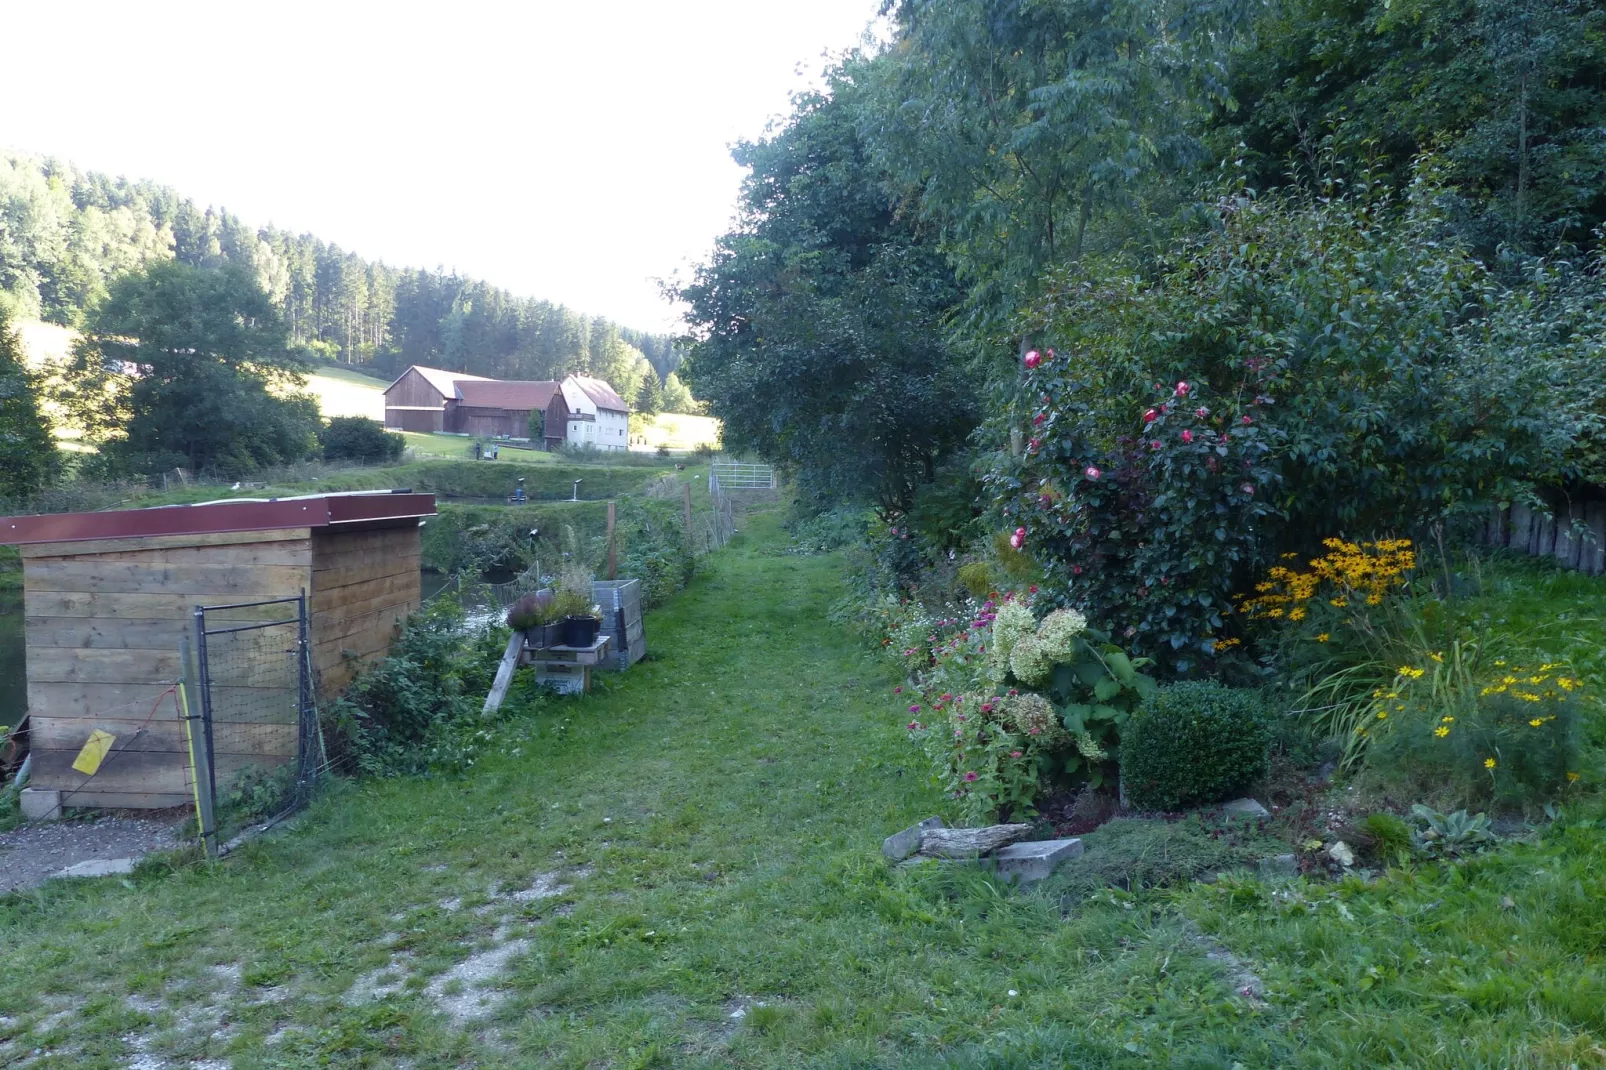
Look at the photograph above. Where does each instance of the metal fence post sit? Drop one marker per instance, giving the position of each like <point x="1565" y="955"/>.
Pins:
<point x="203" y="683"/>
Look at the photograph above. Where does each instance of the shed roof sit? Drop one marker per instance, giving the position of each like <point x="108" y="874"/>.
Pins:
<point x="242" y="514"/>
<point x="440" y="379"/>
<point x="504" y="394"/>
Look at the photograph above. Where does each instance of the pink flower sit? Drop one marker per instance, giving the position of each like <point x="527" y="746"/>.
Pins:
<point x="1150" y="416"/>
<point x="1248" y="488"/>
<point x="1155" y="444"/>
<point x="1032" y="589"/>
<point x="1013" y="693"/>
<point x="969" y="777"/>
<point x="1033" y="731"/>
<point x="1248" y="419"/>
<point x="1076" y="570"/>
<point x="1039" y="418"/>
<point x="1226" y="436"/>
<point x="1182" y="389"/>
<point x="1018" y="539"/>
<point x="1034" y="444"/>
<point x="1091" y="472"/>
<point x="914" y="726"/>
<point x="1014" y="754"/>
<point x="1201" y="412"/>
<point x="1187" y="436"/>
<point x="1045" y="501"/>
<point x="914" y="709"/>
<point x="946" y="697"/>
<point x="1048" y="355"/>
<point x="1032" y="359"/>
<point x="898" y="690"/>
<point x="987" y="707"/>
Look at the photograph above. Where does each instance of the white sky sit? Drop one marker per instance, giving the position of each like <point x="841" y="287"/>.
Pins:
<point x="571" y="151"/>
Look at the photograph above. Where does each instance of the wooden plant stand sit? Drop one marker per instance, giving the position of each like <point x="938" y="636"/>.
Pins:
<point x="566" y="668"/>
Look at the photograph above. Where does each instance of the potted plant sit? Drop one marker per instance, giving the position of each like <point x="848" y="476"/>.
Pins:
<point x="540" y="617"/>
<point x="581" y="618"/>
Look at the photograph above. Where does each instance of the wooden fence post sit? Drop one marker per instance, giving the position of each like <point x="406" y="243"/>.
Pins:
<point x="688" y="509"/>
<point x="613" y="549"/>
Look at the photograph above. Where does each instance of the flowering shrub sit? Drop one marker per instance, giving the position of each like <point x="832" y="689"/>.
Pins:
<point x="1150" y="529"/>
<point x="986" y="751"/>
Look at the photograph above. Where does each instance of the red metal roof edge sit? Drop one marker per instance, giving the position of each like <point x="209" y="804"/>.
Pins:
<point x="314" y="512"/>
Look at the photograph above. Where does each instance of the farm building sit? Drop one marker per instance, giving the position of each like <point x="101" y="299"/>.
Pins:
<point x="502" y="409"/>
<point x="580" y="410"/>
<point x="597" y="416"/>
<point x="420" y="396"/>
<point x="109" y="598"/>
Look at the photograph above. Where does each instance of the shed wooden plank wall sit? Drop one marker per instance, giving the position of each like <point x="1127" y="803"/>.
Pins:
<point x="103" y="620"/>
<point x="363" y="584"/>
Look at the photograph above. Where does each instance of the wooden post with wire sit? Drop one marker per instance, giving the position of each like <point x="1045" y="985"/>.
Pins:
<point x="613" y="548"/>
<point x="688" y="510"/>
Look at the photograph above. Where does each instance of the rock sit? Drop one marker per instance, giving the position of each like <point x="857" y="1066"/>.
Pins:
<point x="1279" y="866"/>
<point x="968" y="843"/>
<point x="1340" y="852"/>
<point x="1245" y="808"/>
<point x="100" y="867"/>
<point x="901" y="845"/>
<point x="1024" y="863"/>
<point x="39" y="804"/>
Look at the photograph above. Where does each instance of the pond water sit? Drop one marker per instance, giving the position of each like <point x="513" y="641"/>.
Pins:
<point x="13" y="682"/>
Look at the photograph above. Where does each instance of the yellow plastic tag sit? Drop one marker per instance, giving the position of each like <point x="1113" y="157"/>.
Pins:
<point x="94" y="752"/>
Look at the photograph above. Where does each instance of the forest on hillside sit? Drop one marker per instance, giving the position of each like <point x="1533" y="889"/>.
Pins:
<point x="67" y="234"/>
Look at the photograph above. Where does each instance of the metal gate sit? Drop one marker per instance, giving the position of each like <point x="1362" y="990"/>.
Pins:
<point x="252" y="724"/>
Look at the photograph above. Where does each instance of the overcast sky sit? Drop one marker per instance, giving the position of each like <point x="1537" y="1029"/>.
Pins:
<point x="573" y="151"/>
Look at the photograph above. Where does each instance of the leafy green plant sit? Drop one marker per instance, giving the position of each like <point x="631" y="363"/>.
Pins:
<point x="1515" y="742"/>
<point x="1193" y="743"/>
<point x="1450" y="835"/>
<point x="357" y="438"/>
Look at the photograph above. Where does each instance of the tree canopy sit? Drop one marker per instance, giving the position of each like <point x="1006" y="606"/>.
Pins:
<point x="186" y="366"/>
<point x="28" y="457"/>
<point x="819" y="320"/>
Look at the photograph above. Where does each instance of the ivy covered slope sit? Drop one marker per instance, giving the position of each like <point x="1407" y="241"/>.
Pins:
<point x="713" y="819"/>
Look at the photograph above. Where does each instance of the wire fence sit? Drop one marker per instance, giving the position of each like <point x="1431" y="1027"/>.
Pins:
<point x="258" y="752"/>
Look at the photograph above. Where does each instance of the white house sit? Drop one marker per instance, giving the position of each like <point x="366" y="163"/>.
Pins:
<point x="597" y="416"/>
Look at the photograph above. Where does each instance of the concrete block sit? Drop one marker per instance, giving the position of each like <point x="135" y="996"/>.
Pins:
<point x="40" y="804"/>
<point x="1024" y="863"/>
<point x="901" y="845"/>
<point x="99" y="867"/>
<point x="1245" y="808"/>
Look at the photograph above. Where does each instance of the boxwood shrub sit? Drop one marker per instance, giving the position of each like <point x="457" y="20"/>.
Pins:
<point x="1192" y="744"/>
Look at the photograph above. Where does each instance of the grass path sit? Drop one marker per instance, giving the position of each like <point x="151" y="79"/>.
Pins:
<point x="683" y="871"/>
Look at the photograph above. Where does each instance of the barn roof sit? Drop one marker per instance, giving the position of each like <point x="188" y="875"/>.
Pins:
<point x="240" y="514"/>
<point x="503" y="394"/>
<point x="441" y="380"/>
<point x="600" y="393"/>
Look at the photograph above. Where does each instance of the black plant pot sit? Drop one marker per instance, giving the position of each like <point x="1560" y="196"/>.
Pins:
<point x="544" y="635"/>
<point x="581" y="631"/>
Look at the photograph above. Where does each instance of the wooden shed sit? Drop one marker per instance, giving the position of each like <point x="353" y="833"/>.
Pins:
<point x="109" y="596"/>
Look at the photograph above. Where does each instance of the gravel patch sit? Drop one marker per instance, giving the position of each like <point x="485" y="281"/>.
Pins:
<point x="33" y="853"/>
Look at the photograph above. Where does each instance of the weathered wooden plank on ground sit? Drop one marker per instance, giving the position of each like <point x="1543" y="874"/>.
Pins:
<point x="504" y="674"/>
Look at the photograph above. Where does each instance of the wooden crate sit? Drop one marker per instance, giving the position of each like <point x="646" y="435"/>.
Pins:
<point x="621" y="617"/>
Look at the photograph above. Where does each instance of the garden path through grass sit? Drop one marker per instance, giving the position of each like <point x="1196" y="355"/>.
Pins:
<point x="683" y="870"/>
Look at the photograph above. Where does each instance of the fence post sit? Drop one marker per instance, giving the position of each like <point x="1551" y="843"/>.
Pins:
<point x="613" y="548"/>
<point x="200" y="763"/>
<point x="688" y="509"/>
<point x="203" y="685"/>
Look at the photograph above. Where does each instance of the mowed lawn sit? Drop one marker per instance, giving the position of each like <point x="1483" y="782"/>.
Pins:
<point x="683" y="870"/>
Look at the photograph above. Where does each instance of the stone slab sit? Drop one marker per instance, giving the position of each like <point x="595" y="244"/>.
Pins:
<point x="1279" y="866"/>
<point x="100" y="867"/>
<point x="901" y="845"/>
<point x="1245" y="808"/>
<point x="1026" y="863"/>
<point x="40" y="804"/>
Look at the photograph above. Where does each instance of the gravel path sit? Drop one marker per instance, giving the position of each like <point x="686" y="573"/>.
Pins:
<point x="30" y="854"/>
